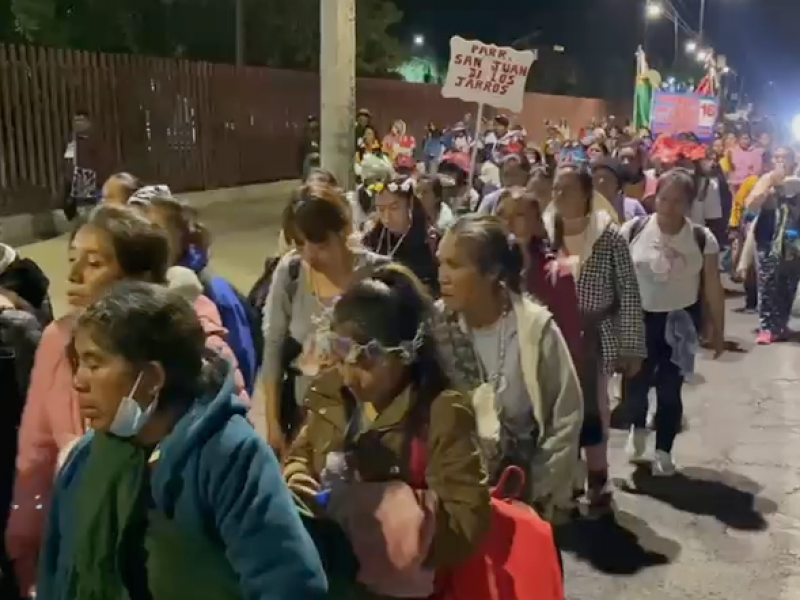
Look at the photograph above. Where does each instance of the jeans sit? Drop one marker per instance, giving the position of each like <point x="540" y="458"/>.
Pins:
<point x="660" y="372"/>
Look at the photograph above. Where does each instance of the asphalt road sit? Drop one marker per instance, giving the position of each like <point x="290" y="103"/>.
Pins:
<point x="727" y="527"/>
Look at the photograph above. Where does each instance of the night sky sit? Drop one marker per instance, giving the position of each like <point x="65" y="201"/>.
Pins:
<point x="760" y="37"/>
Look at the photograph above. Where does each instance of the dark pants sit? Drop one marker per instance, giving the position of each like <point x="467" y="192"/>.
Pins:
<point x="660" y="372"/>
<point x="751" y="290"/>
<point x="777" y="286"/>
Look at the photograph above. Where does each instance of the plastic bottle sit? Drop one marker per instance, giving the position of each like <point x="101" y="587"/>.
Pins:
<point x="334" y="473"/>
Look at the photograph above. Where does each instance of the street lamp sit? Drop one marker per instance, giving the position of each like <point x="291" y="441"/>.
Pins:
<point x="691" y="46"/>
<point x="702" y="55"/>
<point x="654" y="10"/>
<point x="419" y="40"/>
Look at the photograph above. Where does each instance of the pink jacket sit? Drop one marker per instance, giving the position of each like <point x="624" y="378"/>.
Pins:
<point x="51" y="423"/>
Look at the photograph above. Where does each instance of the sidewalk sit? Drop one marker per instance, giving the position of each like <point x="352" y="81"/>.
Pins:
<point x="244" y="224"/>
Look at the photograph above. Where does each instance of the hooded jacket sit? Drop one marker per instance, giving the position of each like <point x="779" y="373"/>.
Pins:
<point x="51" y="422"/>
<point x="221" y="522"/>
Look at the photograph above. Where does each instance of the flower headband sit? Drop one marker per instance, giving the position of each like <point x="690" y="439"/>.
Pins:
<point x="405" y="187"/>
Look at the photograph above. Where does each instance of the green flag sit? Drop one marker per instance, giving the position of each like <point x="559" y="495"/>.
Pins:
<point x="643" y="96"/>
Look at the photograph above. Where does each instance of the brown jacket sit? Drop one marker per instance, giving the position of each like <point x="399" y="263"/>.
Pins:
<point x="455" y="471"/>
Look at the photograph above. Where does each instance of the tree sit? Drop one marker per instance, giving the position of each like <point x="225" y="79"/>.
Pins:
<point x="279" y="33"/>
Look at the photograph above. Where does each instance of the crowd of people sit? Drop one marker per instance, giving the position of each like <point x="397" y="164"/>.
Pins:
<point x="433" y="352"/>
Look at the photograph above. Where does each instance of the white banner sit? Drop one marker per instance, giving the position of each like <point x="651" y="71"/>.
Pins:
<point x="487" y="74"/>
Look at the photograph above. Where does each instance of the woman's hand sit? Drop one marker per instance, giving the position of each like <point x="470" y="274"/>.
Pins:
<point x="303" y="486"/>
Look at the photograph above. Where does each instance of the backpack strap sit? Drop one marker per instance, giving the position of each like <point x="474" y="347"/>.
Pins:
<point x="699" y="233"/>
<point x="637" y="226"/>
<point x="295" y="266"/>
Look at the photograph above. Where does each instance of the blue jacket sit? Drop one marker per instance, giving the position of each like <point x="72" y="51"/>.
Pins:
<point x="215" y="479"/>
<point x="241" y="326"/>
<point x="242" y="323"/>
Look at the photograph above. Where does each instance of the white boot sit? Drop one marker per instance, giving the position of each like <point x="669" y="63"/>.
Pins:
<point x="663" y="465"/>
<point x="637" y="445"/>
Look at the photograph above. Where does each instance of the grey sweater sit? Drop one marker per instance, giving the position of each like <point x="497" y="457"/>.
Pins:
<point x="290" y="310"/>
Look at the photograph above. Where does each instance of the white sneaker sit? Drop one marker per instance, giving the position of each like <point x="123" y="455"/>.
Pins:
<point x="637" y="445"/>
<point x="663" y="466"/>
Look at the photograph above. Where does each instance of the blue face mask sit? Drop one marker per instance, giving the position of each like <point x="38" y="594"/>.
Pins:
<point x="130" y="417"/>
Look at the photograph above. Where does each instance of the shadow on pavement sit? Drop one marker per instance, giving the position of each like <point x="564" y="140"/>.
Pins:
<point x="730" y="498"/>
<point x="619" y="544"/>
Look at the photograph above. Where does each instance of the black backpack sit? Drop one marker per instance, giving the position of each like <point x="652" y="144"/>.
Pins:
<point x="291" y="416"/>
<point x="257" y="297"/>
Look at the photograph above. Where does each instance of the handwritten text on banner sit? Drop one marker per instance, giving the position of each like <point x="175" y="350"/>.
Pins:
<point x="487" y="74"/>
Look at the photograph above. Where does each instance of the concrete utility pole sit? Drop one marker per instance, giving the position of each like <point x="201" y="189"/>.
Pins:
<point x="702" y="18"/>
<point x="337" y="66"/>
<point x="239" y="33"/>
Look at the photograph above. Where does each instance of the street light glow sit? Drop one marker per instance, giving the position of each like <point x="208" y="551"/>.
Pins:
<point x="654" y="10"/>
<point x="691" y="46"/>
<point x="702" y="55"/>
<point x="419" y="40"/>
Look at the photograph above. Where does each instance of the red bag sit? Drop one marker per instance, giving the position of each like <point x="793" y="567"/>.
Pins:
<point x="518" y="559"/>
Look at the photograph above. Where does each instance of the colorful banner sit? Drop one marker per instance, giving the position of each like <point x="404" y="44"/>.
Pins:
<point x="682" y="113"/>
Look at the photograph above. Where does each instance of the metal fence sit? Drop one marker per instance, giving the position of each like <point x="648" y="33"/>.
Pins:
<point x="193" y="125"/>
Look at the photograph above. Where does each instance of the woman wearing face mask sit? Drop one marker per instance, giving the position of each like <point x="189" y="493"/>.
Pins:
<point x="677" y="266"/>
<point x="115" y="244"/>
<point x="162" y="413"/>
<point x="365" y="419"/>
<point x="589" y="244"/>
<point x="190" y="248"/>
<point x="509" y="354"/>
<point x="303" y="288"/>
<point x="459" y="192"/>
<point x="402" y="231"/>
